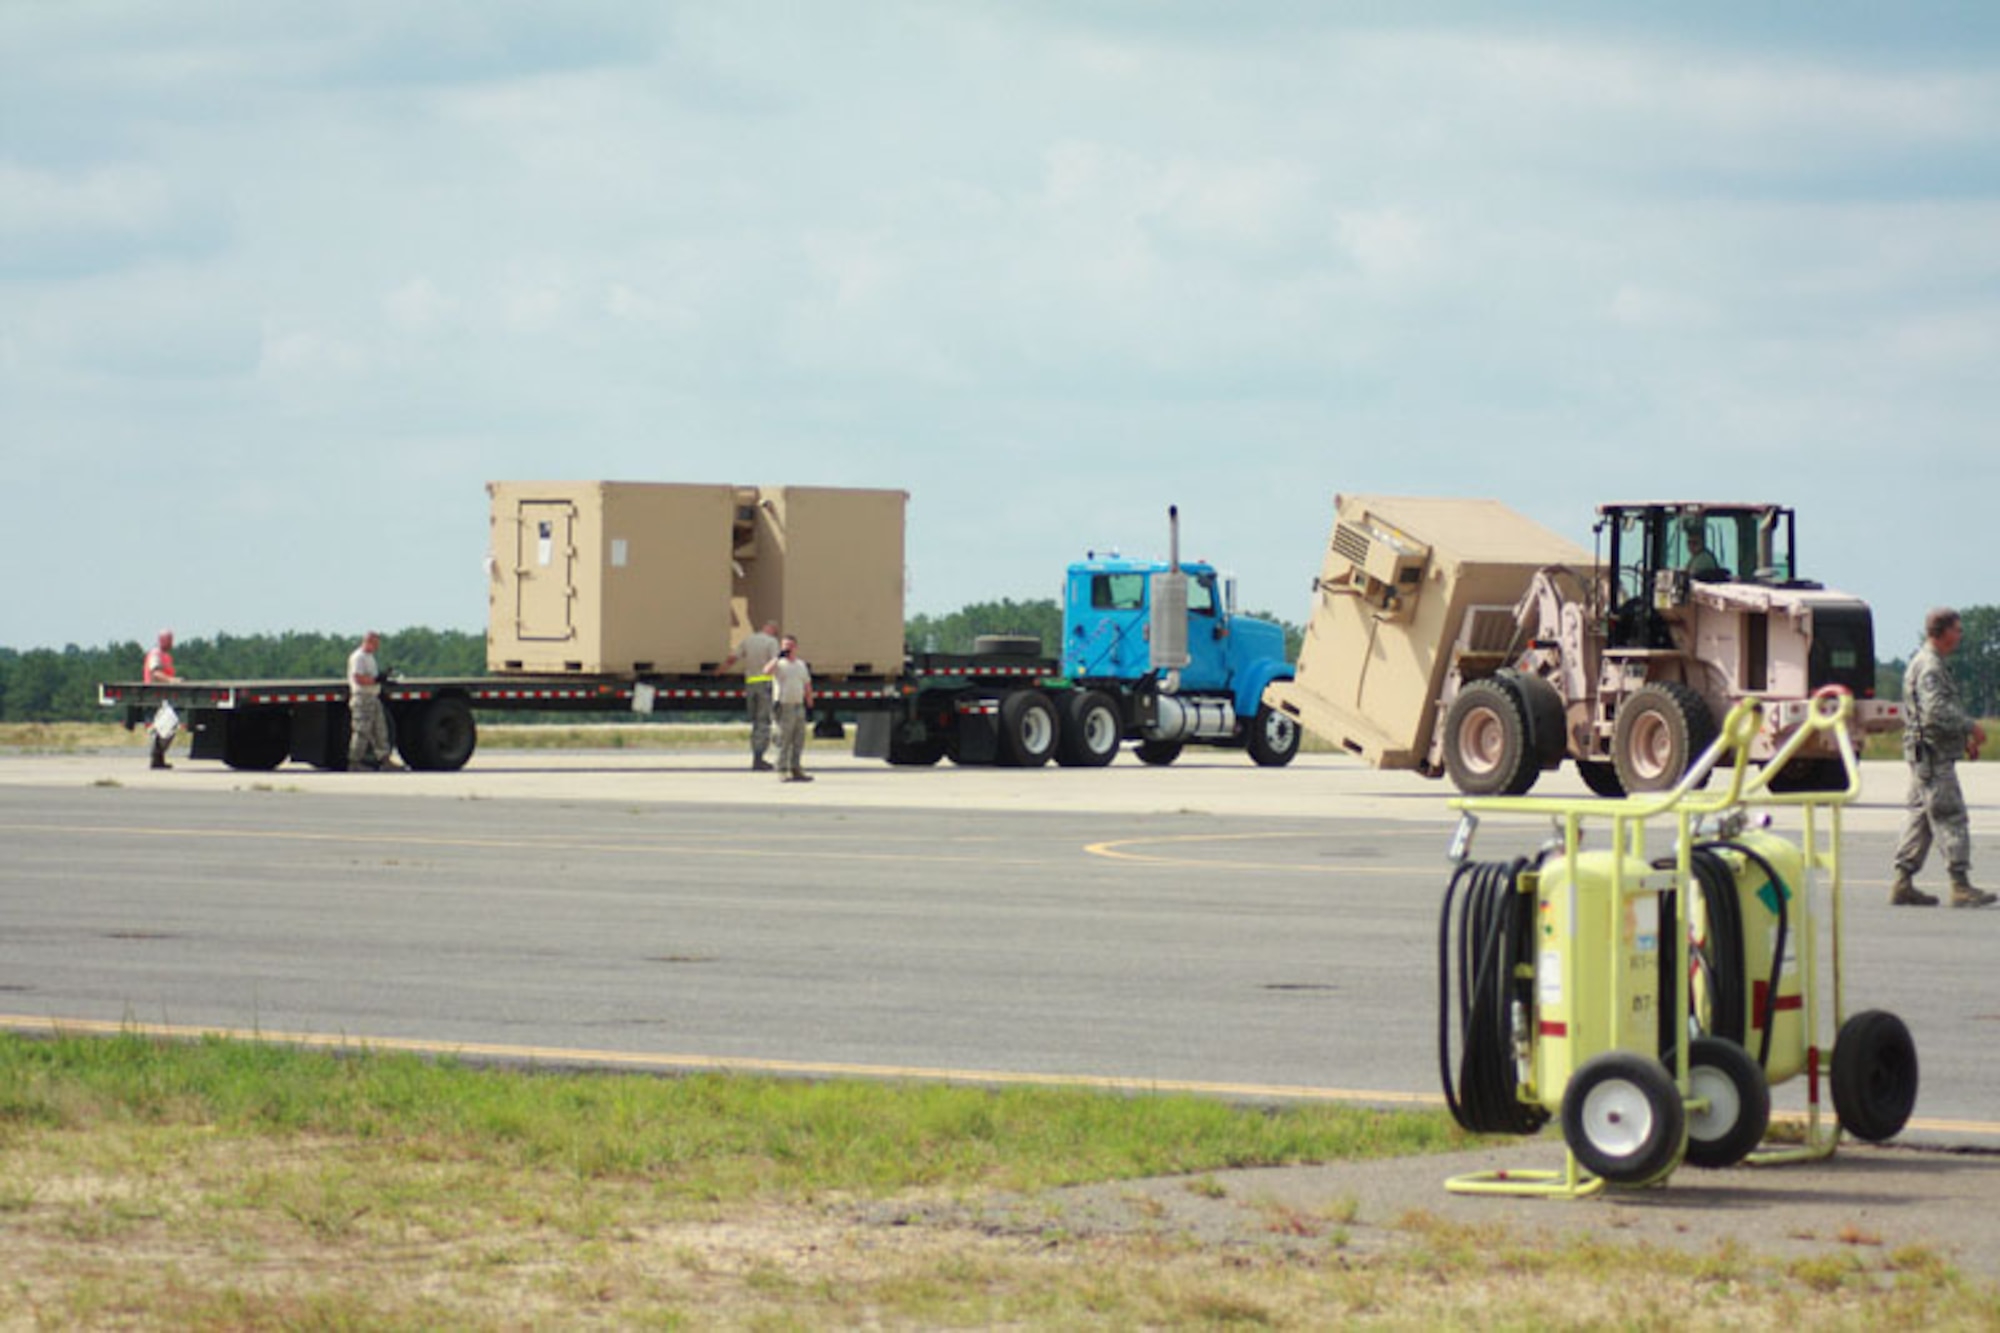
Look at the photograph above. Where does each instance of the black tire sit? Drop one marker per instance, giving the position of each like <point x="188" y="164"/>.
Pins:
<point x="1486" y="749"/>
<point x="1029" y="729"/>
<point x="1007" y="645"/>
<point x="1274" y="737"/>
<point x="1661" y="730"/>
<point x="1600" y="776"/>
<point x="1091" y="732"/>
<point x="1157" y="753"/>
<point x="438" y="736"/>
<point x="1547" y="724"/>
<point x="258" y="741"/>
<point x="1729" y="1079"/>
<point x="1874" y="1075"/>
<point x="916" y="754"/>
<point x="1623" y="1118"/>
<point x="1811" y="775"/>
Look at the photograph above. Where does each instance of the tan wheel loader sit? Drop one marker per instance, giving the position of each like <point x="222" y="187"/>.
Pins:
<point x="1460" y="638"/>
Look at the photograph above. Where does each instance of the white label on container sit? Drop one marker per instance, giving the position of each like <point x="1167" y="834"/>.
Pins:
<point x="618" y="553"/>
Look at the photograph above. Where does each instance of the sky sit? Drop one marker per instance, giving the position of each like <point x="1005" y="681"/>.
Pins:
<point x="282" y="286"/>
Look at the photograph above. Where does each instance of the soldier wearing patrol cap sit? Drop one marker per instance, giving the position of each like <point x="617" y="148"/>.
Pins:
<point x="1937" y="731"/>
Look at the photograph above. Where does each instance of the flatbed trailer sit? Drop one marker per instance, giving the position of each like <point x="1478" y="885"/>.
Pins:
<point x="941" y="704"/>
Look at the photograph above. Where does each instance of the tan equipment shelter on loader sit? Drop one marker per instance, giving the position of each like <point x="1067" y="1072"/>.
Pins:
<point x="1410" y="587"/>
<point x="658" y="578"/>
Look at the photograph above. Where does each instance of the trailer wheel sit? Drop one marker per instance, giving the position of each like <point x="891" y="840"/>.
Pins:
<point x="1091" y="732"/>
<point x="919" y="754"/>
<point x="438" y="736"/>
<point x="1157" y="753"/>
<point x="1623" y="1118"/>
<point x="1486" y="743"/>
<point x="258" y="741"/>
<point x="1662" y="729"/>
<point x="1274" y="737"/>
<point x="1874" y="1075"/>
<point x="1725" y="1076"/>
<point x="1601" y="776"/>
<point x="1028" y="729"/>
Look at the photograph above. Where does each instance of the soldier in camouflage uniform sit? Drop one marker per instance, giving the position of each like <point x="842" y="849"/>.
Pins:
<point x="1936" y="732"/>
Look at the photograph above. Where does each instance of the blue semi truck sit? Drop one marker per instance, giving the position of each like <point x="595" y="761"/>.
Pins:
<point x="1153" y="652"/>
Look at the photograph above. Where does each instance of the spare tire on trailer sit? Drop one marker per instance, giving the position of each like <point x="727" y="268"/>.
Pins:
<point x="1007" y="645"/>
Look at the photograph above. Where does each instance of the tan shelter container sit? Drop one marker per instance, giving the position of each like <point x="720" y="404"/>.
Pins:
<point x="1407" y="587"/>
<point x="609" y="578"/>
<point x="826" y="563"/>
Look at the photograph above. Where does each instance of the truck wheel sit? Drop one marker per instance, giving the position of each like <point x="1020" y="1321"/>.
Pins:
<point x="1874" y="1075"/>
<point x="921" y="754"/>
<point x="1738" y="1098"/>
<point x="1091" y="733"/>
<point x="1623" y="1118"/>
<point x="1486" y="747"/>
<point x="438" y="736"/>
<point x="1661" y="729"/>
<point x="1028" y="729"/>
<point x="1274" y="737"/>
<point x="258" y="741"/>
<point x="1157" y="752"/>
<point x="1601" y="776"/>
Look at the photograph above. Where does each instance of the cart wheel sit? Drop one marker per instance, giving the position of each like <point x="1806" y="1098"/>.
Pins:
<point x="1874" y="1075"/>
<point x="1623" y="1119"/>
<point x="1739" y="1102"/>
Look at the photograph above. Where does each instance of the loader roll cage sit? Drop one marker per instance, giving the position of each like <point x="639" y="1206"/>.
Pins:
<point x="1638" y="543"/>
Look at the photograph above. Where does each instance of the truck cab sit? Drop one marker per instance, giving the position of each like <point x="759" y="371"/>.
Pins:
<point x="1120" y="628"/>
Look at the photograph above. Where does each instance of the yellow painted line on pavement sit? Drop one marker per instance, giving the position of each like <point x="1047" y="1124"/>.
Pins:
<point x="68" y="1027"/>
<point x="570" y="1055"/>
<point x="1120" y="849"/>
<point x="759" y="851"/>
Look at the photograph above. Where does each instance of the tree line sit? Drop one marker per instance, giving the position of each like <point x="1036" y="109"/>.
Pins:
<point x="60" y="685"/>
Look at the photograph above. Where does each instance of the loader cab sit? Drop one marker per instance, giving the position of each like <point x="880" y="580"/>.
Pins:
<point x="1653" y="551"/>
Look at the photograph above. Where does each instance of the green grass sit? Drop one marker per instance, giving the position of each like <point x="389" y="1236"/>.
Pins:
<point x="215" y="1184"/>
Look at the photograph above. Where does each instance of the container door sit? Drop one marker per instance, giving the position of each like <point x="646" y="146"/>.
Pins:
<point x="545" y="569"/>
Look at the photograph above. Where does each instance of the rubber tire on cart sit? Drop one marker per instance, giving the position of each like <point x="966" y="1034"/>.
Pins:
<point x="438" y="735"/>
<point x="1739" y="1102"/>
<point x="1157" y="753"/>
<point x="1601" y="776"/>
<point x="1623" y="1119"/>
<point x="1092" y="731"/>
<point x="1810" y="775"/>
<point x="1029" y="729"/>
<point x="1661" y="730"/>
<point x="258" y="740"/>
<point x="1486" y="743"/>
<point x="1274" y="737"/>
<point x="1874" y="1075"/>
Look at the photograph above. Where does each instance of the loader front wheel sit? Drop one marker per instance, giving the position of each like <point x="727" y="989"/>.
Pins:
<point x="1486" y="745"/>
<point x="1661" y="730"/>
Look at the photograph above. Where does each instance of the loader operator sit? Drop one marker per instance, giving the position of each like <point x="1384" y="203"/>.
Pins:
<point x="1702" y="566"/>
<point x="1936" y="732"/>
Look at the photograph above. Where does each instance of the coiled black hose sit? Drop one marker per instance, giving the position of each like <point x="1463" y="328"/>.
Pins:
<point x="1486" y="938"/>
<point x="1723" y="965"/>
